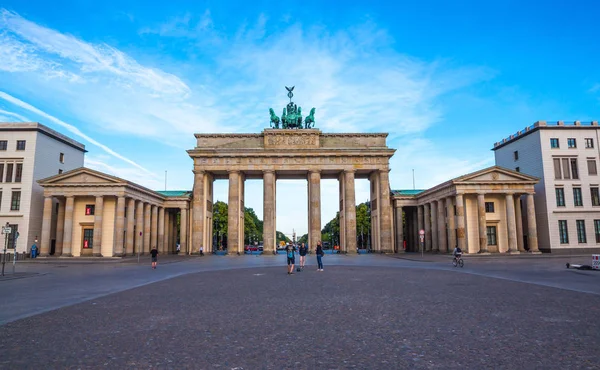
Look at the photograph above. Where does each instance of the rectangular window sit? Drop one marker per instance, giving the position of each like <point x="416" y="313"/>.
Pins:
<point x="89" y="209"/>
<point x="557" y="172"/>
<point x="518" y="169"/>
<point x="491" y="235"/>
<point x="597" y="230"/>
<point x="592" y="168"/>
<point x="560" y="197"/>
<point x="489" y="207"/>
<point x="3" y="144"/>
<point x="9" y="171"/>
<point x="20" y="144"/>
<point x="577" y="199"/>
<point x="12" y="241"/>
<point x="61" y="157"/>
<point x="516" y="155"/>
<point x="564" y="233"/>
<point x="15" y="201"/>
<point x="581" y="238"/>
<point x="571" y="143"/>
<point x="589" y="143"/>
<point x="554" y="143"/>
<point x="595" y="196"/>
<point x="19" y="172"/>
<point x="88" y="238"/>
<point x="565" y="167"/>
<point x="1" y="172"/>
<point x="574" y="170"/>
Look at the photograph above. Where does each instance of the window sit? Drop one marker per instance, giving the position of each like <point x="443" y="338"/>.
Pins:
<point x="574" y="171"/>
<point x="592" y="169"/>
<point x="516" y="155"/>
<point x="589" y="143"/>
<point x="19" y="172"/>
<point x="554" y="143"/>
<point x="59" y="172"/>
<point x="491" y="235"/>
<point x="577" y="200"/>
<point x="595" y="196"/>
<point x="12" y="241"/>
<point x="518" y="169"/>
<point x="9" y="171"/>
<point x="489" y="207"/>
<point x="61" y="157"/>
<point x="557" y="172"/>
<point x="89" y="209"/>
<point x="571" y="143"/>
<point x="597" y="230"/>
<point x="581" y="238"/>
<point x="3" y="144"/>
<point x="20" y="144"/>
<point x="88" y="238"/>
<point x="564" y="233"/>
<point x="569" y="168"/>
<point x="1" y="171"/>
<point x="560" y="197"/>
<point x="15" y="202"/>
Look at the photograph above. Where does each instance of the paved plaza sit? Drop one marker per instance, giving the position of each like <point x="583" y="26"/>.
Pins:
<point x="368" y="311"/>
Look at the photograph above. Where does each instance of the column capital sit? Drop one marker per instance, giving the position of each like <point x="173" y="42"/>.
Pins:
<point x="314" y="171"/>
<point x="384" y="169"/>
<point x="233" y="171"/>
<point x="268" y="171"/>
<point x="481" y="193"/>
<point x="350" y="170"/>
<point x="198" y="172"/>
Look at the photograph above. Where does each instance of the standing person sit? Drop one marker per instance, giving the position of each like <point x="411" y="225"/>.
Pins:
<point x="34" y="250"/>
<point x="302" y="251"/>
<point x="201" y="250"/>
<point x="154" y="253"/>
<point x="320" y="254"/>
<point x="178" y="248"/>
<point x="291" y="257"/>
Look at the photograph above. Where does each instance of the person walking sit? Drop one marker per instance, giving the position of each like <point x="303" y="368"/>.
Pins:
<point x="291" y="257"/>
<point x="320" y="254"/>
<point x="302" y="251"/>
<point x="154" y="254"/>
<point x="34" y="250"/>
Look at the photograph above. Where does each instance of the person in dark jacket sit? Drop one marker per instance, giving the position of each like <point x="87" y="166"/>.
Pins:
<point x="319" y="252"/>
<point x="154" y="254"/>
<point x="302" y="251"/>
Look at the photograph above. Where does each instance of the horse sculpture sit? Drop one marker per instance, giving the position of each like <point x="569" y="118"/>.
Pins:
<point x="309" y="122"/>
<point x="274" y="119"/>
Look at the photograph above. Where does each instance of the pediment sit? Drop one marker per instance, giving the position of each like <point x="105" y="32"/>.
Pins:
<point x="82" y="175"/>
<point x="495" y="174"/>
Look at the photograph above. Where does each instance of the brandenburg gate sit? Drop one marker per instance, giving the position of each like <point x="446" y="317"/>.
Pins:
<point x="292" y="150"/>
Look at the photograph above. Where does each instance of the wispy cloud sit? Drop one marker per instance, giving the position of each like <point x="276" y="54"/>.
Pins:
<point x="10" y="116"/>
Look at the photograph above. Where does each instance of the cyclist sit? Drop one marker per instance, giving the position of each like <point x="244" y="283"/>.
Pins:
<point x="457" y="253"/>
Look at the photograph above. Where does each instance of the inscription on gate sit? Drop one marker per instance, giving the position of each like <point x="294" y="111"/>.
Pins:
<point x="282" y="139"/>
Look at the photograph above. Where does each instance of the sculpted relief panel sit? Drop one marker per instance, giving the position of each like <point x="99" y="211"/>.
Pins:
<point x="218" y="162"/>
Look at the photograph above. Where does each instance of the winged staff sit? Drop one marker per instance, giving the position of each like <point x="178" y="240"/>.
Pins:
<point x="292" y="115"/>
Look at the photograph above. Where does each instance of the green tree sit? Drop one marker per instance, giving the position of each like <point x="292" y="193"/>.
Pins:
<point x="281" y="237"/>
<point x="363" y="224"/>
<point x="220" y="216"/>
<point x="303" y="239"/>
<point x="252" y="226"/>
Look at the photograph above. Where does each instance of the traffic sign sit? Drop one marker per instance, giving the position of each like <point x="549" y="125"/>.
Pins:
<point x="421" y="232"/>
<point x="6" y="229"/>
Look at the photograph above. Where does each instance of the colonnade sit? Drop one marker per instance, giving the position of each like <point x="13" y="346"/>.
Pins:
<point x="138" y="226"/>
<point x="444" y="222"/>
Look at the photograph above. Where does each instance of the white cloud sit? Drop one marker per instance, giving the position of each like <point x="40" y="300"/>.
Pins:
<point x="10" y="116"/>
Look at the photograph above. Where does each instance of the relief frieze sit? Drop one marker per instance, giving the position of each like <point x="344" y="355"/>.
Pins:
<point x="301" y="160"/>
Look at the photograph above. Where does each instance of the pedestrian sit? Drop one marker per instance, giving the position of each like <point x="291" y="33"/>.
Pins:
<point x="154" y="254"/>
<point x="201" y="250"/>
<point x="320" y="254"/>
<point x="178" y="248"/>
<point x="34" y="251"/>
<point x="302" y="251"/>
<point x="291" y="260"/>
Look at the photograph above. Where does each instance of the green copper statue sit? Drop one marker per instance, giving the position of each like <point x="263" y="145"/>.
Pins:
<point x="292" y="115"/>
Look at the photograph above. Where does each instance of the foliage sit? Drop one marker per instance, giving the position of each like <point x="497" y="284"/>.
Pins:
<point x="252" y="226"/>
<point x="281" y="237"/>
<point x="331" y="231"/>
<point x="303" y="239"/>
<point x="220" y="217"/>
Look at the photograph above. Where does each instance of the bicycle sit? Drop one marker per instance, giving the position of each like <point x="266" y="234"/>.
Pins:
<point x="457" y="261"/>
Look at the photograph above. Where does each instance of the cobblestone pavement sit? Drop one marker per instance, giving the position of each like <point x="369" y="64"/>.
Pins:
<point x="244" y="313"/>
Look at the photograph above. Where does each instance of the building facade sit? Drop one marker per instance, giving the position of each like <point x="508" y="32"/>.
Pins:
<point x="565" y="159"/>
<point x="29" y="152"/>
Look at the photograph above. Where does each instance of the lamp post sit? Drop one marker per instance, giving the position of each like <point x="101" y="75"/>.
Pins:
<point x="369" y="229"/>
<point x="5" y="230"/>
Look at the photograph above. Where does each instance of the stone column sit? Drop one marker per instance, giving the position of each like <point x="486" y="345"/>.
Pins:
<point x="167" y="234"/>
<point x="60" y="227"/>
<point x="98" y="218"/>
<point x="451" y="227"/>
<point x="68" y="230"/>
<point x="119" y="227"/>
<point x="183" y="231"/>
<point x="385" y="212"/>
<point x="342" y="192"/>
<point x="269" y="240"/>
<point x="198" y="205"/>
<point x="154" y="228"/>
<point x="420" y="226"/>
<point x="481" y="222"/>
<point x="46" y="225"/>
<point x="147" y="227"/>
<point x="442" y="233"/>
<point x="233" y="213"/>
<point x="434" y="226"/>
<point x="415" y="228"/>
<point x="511" y="224"/>
<point x="427" y="219"/>
<point x="350" y="211"/>
<point x="139" y="227"/>
<point x="161" y="230"/>
<point x="314" y="208"/>
<point x="532" y="239"/>
<point x="460" y="222"/>
<point x="399" y="229"/>
<point x="519" y="216"/>
<point x="130" y="226"/>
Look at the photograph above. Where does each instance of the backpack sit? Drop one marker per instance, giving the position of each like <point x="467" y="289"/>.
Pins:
<point x="290" y="253"/>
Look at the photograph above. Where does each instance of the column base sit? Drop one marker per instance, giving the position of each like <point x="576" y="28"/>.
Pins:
<point x="483" y="253"/>
<point x="514" y="252"/>
<point x="98" y="255"/>
<point x="66" y="255"/>
<point x="44" y="255"/>
<point x="535" y="252"/>
<point x="117" y="254"/>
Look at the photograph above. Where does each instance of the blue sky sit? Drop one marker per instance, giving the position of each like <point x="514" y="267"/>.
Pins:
<point x="446" y="79"/>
